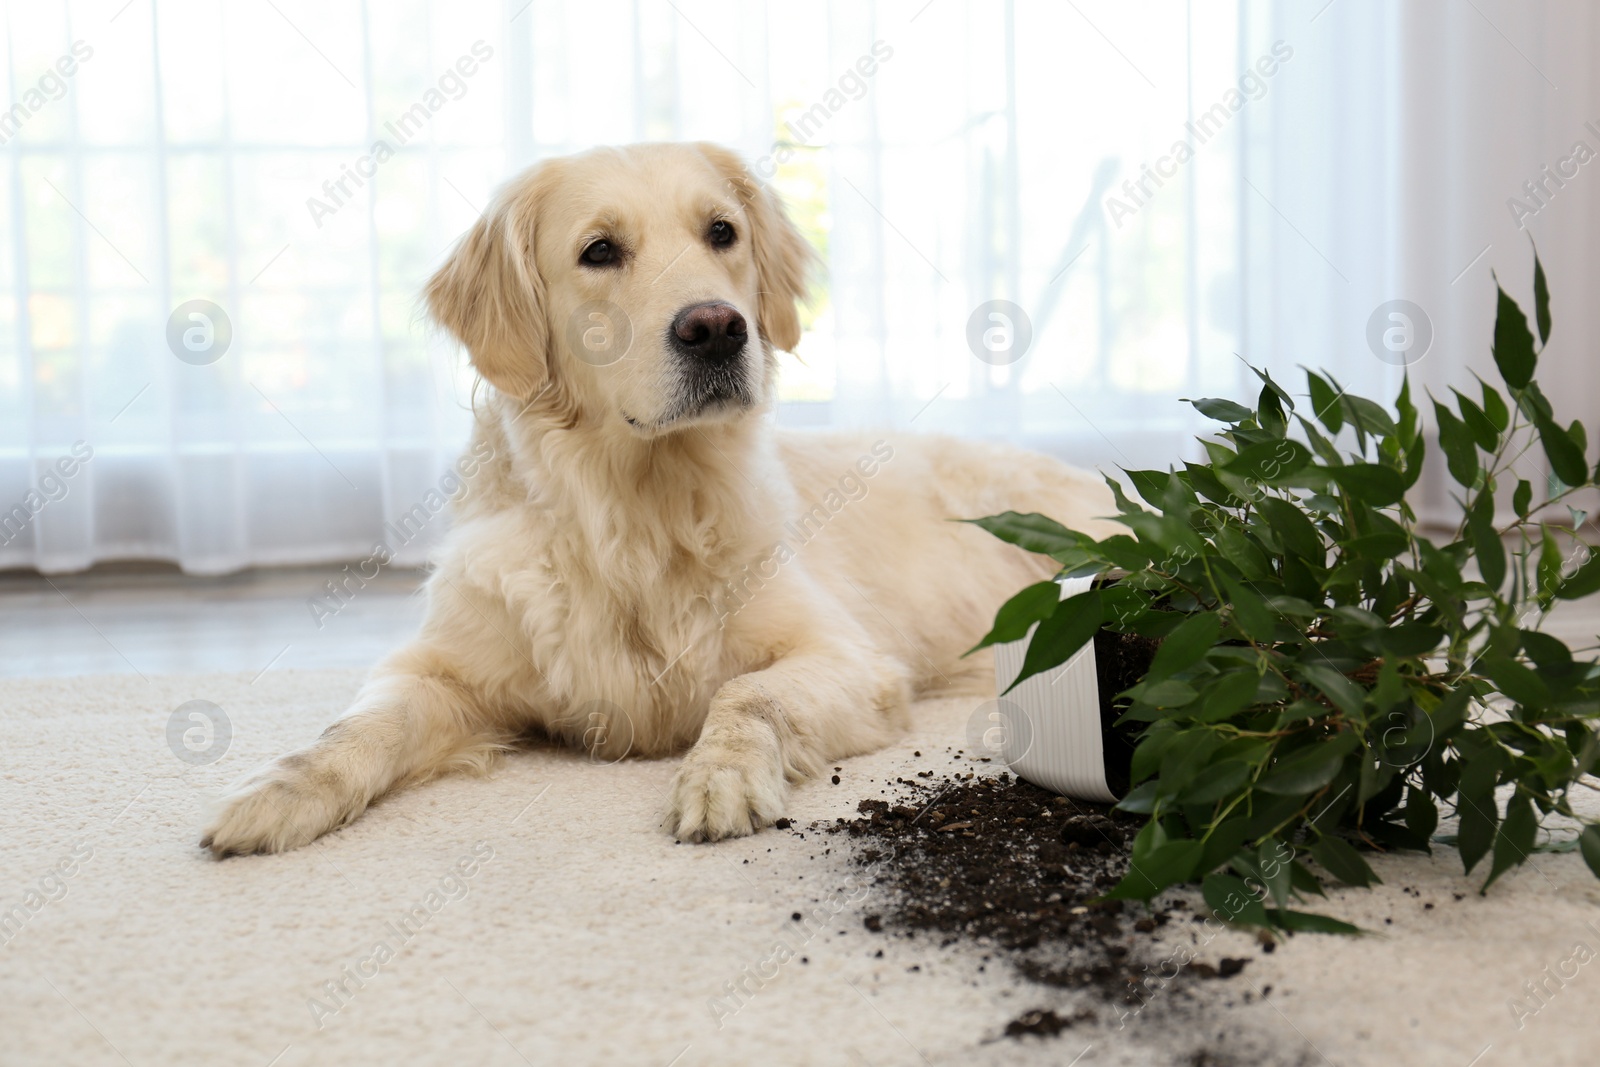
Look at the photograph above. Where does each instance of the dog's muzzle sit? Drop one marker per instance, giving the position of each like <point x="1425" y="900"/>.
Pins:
<point x="711" y="341"/>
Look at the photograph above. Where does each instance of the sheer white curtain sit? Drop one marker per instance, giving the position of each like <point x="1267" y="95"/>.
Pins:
<point x="1154" y="189"/>
<point x="203" y="151"/>
<point x="1405" y="159"/>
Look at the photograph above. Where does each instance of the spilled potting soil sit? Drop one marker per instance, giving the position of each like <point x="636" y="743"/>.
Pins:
<point x="1018" y="872"/>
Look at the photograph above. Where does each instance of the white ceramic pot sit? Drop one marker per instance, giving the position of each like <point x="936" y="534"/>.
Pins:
<point x="1049" y="728"/>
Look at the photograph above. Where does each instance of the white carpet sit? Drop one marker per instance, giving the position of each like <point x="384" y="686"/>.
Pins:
<point x="587" y="936"/>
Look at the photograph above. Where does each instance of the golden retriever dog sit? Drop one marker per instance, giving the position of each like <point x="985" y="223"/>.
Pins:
<point x="643" y="564"/>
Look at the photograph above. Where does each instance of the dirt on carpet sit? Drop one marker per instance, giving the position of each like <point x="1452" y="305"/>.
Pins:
<point x="1019" y="872"/>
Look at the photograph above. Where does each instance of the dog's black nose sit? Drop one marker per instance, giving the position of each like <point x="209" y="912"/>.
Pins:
<point x="714" y="332"/>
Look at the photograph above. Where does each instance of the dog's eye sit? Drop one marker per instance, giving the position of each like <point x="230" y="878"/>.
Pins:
<point x="721" y="233"/>
<point x="599" y="253"/>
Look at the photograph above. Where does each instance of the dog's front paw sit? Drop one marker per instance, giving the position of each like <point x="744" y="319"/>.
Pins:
<point x="727" y="788"/>
<point x="278" y="809"/>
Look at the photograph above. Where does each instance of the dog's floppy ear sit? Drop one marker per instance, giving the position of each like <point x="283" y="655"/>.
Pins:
<point x="783" y="258"/>
<point x="489" y="294"/>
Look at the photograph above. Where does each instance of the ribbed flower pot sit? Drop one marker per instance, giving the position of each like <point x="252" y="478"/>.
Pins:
<point x="1058" y="729"/>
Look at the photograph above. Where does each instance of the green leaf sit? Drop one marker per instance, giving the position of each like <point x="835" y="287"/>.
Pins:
<point x="1186" y="645"/>
<point x="1541" y="300"/>
<point x="1244" y="552"/>
<point x="1125" y="552"/>
<point x="1309" y="922"/>
<point x="1224" y="840"/>
<point x="1273" y="387"/>
<point x="1032" y="531"/>
<point x="1550" y="564"/>
<point x="1230" y="695"/>
<point x="1460" y="452"/>
<point x="1407" y="430"/>
<point x="1215" y="782"/>
<point x="1272" y="864"/>
<point x="1222" y="410"/>
<point x="1017" y="615"/>
<point x="1122" y="606"/>
<point x="1367" y="416"/>
<point x="1440" y="566"/>
<point x="1062" y="634"/>
<point x="1310" y="769"/>
<point x="1141" y="799"/>
<point x="1589" y="844"/>
<point x="1379" y="546"/>
<point x="1151" y="747"/>
<point x="1410" y="639"/>
<point x="1217" y="452"/>
<point x="1207" y="484"/>
<point x="1297" y="532"/>
<point x="1416" y="453"/>
<point x="1563" y="450"/>
<point x="1479" y="817"/>
<point x="1584" y="746"/>
<point x="1345" y="694"/>
<point x="1513" y="344"/>
<point x="1583" y="581"/>
<point x="1375" y="775"/>
<point x="1522" y="498"/>
<point x="1371" y="483"/>
<point x="1482" y="761"/>
<point x="1451" y="713"/>
<point x="1484" y="435"/>
<point x="1533" y="403"/>
<point x="1325" y="402"/>
<point x="1393" y="836"/>
<point x="1422" y="815"/>
<point x="1173" y="539"/>
<point x="1299" y="711"/>
<point x="1165" y="865"/>
<point x="1269" y="412"/>
<point x="1319" y="442"/>
<point x="1550" y="653"/>
<point x="1390" y="690"/>
<point x="1491" y="551"/>
<point x="1405" y="744"/>
<point x="1270" y="460"/>
<point x="1353" y="619"/>
<point x="1190" y="750"/>
<point x="1168" y="694"/>
<point x="1342" y="861"/>
<point x="1303" y="880"/>
<point x="1250" y="612"/>
<point x="1231" y="900"/>
<point x="1515" y="838"/>
<point x="1515" y="681"/>
<point x="1149" y="484"/>
<point x="1494" y="406"/>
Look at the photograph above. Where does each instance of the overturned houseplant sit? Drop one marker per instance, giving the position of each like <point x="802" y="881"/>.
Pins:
<point x="1328" y="677"/>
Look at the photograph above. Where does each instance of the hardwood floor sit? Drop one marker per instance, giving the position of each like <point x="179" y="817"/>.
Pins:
<point x="150" y="620"/>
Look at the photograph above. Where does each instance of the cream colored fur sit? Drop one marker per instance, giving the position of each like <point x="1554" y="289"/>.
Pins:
<point x="637" y="577"/>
